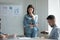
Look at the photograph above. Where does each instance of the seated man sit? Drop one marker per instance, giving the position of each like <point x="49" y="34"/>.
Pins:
<point x="54" y="33"/>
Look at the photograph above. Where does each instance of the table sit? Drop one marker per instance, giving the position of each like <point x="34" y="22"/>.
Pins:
<point x="24" y="38"/>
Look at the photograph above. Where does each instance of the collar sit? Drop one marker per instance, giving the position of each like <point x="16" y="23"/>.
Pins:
<point x="54" y="26"/>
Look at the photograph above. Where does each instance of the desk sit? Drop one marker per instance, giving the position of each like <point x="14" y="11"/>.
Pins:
<point x="24" y="38"/>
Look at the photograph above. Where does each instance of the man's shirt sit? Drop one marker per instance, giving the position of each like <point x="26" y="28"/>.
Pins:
<point x="54" y="33"/>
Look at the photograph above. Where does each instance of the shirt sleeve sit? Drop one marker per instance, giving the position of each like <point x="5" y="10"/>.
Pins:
<point x="25" y="24"/>
<point x="35" y="20"/>
<point x="54" y="35"/>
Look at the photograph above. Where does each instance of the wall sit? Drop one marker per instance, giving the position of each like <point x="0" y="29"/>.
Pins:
<point x="54" y="9"/>
<point x="41" y="9"/>
<point x="11" y="1"/>
<point x="12" y="24"/>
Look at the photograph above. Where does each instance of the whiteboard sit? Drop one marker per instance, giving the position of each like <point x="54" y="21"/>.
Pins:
<point x="11" y="19"/>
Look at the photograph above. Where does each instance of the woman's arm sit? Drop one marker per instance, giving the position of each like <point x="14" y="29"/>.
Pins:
<point x="35" y="20"/>
<point x="25" y="24"/>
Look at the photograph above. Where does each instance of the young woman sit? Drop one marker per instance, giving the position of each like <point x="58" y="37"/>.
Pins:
<point x="30" y="22"/>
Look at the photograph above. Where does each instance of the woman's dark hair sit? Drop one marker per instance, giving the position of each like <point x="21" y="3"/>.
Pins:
<point x="30" y="6"/>
<point x="50" y="17"/>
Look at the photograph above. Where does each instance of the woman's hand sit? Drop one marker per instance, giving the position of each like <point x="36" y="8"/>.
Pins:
<point x="31" y="26"/>
<point x="33" y="16"/>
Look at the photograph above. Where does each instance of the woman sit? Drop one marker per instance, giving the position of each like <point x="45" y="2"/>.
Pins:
<point x="30" y="22"/>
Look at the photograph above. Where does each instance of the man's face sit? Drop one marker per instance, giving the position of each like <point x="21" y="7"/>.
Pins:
<point x="51" y="22"/>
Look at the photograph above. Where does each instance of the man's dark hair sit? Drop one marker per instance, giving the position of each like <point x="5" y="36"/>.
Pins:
<point x="50" y="17"/>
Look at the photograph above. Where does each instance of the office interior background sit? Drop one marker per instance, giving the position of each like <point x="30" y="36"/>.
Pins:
<point x="11" y="23"/>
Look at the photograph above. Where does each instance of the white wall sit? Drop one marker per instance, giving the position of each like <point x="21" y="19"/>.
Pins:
<point x="11" y="1"/>
<point x="10" y="23"/>
<point x="54" y="9"/>
<point x="41" y="9"/>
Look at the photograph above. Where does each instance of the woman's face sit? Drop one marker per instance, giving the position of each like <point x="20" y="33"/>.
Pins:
<point x="30" y="10"/>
